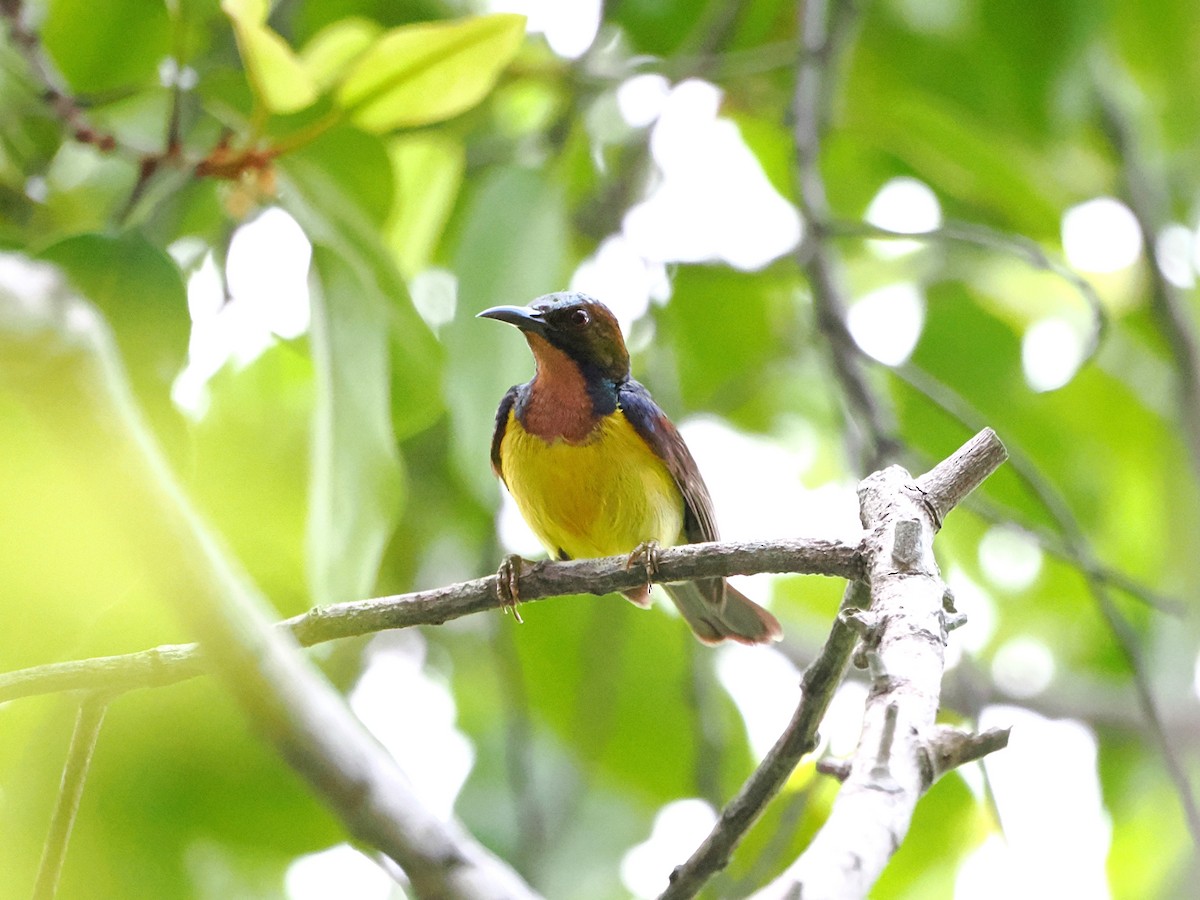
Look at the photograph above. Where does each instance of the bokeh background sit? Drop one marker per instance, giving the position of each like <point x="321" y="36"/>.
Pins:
<point x="275" y="226"/>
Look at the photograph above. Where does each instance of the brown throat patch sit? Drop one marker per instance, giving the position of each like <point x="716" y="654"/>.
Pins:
<point x="559" y="405"/>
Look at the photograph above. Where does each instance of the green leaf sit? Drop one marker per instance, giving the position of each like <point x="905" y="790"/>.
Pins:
<point x="428" y="169"/>
<point x="658" y="27"/>
<point x="336" y="47"/>
<point x="359" y="170"/>
<point x="140" y="291"/>
<point x="356" y="482"/>
<point x="376" y="361"/>
<point x="102" y="46"/>
<point x="428" y="72"/>
<point x="324" y="199"/>
<point x="279" y="79"/>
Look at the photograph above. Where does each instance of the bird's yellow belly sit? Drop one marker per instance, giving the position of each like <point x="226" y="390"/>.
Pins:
<point x="599" y="498"/>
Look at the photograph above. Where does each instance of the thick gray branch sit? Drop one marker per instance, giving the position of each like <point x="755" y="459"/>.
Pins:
<point x="890" y="501"/>
<point x="1080" y="552"/>
<point x="901" y="749"/>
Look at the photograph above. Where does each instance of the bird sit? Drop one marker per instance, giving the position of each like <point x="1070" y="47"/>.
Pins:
<point x="597" y="469"/>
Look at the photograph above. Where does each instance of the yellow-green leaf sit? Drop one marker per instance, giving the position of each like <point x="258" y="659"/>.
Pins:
<point x="336" y="47"/>
<point x="249" y="12"/>
<point x="428" y="169"/>
<point x="276" y="75"/>
<point x="424" y="73"/>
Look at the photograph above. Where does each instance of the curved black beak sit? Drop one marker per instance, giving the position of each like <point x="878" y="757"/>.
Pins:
<point x="524" y="317"/>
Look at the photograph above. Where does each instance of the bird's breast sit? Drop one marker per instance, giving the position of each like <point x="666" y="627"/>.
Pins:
<point x="601" y="495"/>
<point x="557" y="404"/>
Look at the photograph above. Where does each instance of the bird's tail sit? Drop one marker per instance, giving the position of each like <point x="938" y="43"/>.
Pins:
<point x="716" y="615"/>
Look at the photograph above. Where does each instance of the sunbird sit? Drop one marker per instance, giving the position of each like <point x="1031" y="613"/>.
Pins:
<point x="596" y="467"/>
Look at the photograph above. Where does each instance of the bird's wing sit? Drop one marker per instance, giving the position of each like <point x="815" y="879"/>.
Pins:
<point x="506" y="406"/>
<point x="652" y="424"/>
<point x="713" y="609"/>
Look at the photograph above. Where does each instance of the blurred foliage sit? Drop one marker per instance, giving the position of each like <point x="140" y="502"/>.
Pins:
<point x="413" y="142"/>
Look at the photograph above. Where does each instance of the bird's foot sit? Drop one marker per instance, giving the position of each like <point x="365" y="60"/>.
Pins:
<point x="645" y="554"/>
<point x="507" y="584"/>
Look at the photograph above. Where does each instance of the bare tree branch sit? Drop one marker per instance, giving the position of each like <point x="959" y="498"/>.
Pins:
<point x="911" y="579"/>
<point x="1080" y="551"/>
<point x="169" y="664"/>
<point x="798" y="739"/>
<point x="945" y="485"/>
<point x="948" y="749"/>
<point x="901" y="749"/>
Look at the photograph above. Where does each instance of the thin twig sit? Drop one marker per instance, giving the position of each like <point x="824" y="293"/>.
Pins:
<point x="1127" y="643"/>
<point x="165" y="665"/>
<point x="172" y="140"/>
<point x="1053" y="543"/>
<point x="75" y="771"/>
<point x="819" y="46"/>
<point x="64" y="105"/>
<point x="1147" y="201"/>
<point x="222" y="161"/>
<point x="820" y="681"/>
<point x="1017" y="245"/>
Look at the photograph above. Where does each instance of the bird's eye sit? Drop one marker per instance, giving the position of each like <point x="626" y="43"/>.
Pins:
<point x="579" y="318"/>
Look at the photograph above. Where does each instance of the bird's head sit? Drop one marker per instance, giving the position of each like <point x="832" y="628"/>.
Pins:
<point x="580" y="326"/>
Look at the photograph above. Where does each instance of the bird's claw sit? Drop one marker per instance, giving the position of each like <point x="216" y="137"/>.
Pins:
<point x="508" y="586"/>
<point x="645" y="554"/>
